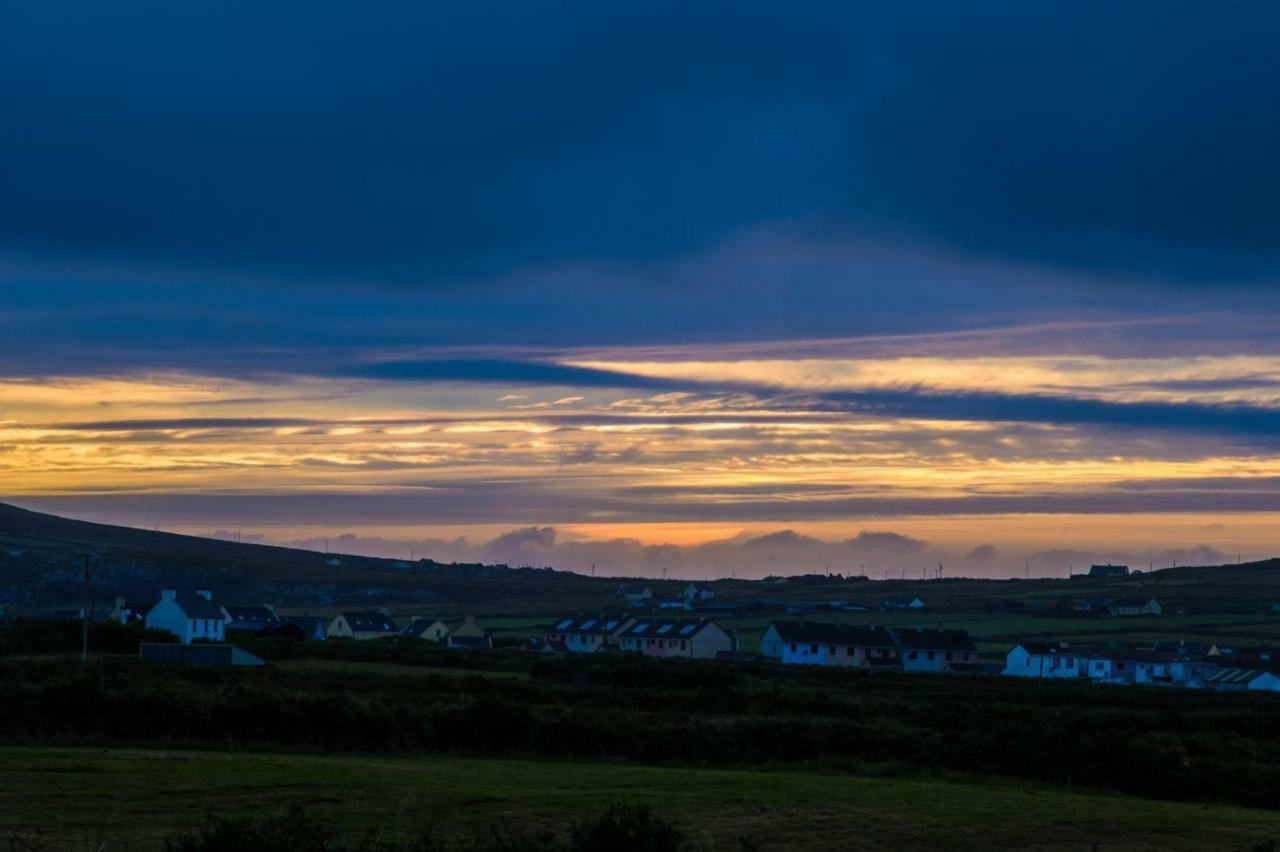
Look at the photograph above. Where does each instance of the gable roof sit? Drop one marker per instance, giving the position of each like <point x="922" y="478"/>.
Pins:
<point x="1131" y="603"/>
<point x="419" y="626"/>
<point x="310" y="624"/>
<point x="370" y="622"/>
<point x="1234" y="676"/>
<point x="258" y="616"/>
<point x="823" y="633"/>
<point x="666" y="628"/>
<point x="603" y="623"/>
<point x="1108" y="570"/>
<point x="195" y="606"/>
<point x="928" y="639"/>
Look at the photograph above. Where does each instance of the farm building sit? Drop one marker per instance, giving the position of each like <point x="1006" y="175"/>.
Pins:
<point x="187" y="616"/>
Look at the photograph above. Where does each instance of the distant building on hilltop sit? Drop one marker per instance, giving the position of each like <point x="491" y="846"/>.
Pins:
<point x="634" y="594"/>
<point x="1108" y="570"/>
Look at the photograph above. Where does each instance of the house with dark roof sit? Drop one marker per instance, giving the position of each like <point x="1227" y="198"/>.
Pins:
<point x="696" y="638"/>
<point x="1108" y="570"/>
<point x="1135" y="606"/>
<point x="313" y="627"/>
<point x="468" y="643"/>
<point x="373" y="624"/>
<point x="824" y="644"/>
<point x="902" y="602"/>
<point x="1243" y="680"/>
<point x="251" y="619"/>
<point x="588" y="632"/>
<point x="634" y="594"/>
<point x="697" y="594"/>
<point x="189" y="616"/>
<point x="434" y="630"/>
<point x="932" y="650"/>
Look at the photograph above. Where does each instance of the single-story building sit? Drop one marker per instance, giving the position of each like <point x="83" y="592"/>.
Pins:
<point x="249" y="618"/>
<point x="1135" y="606"/>
<point x="1243" y="680"/>
<point x="585" y="633"/>
<point x="374" y="624"/>
<point x="696" y="638"/>
<point x="823" y="644"/>
<point x="907" y="602"/>
<point x="932" y="650"/>
<point x="426" y="628"/>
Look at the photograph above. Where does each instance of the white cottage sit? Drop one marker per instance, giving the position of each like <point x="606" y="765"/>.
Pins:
<point x="187" y="616"/>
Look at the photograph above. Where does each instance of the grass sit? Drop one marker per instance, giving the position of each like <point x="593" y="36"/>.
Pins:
<point x="395" y="669"/>
<point x="135" y="797"/>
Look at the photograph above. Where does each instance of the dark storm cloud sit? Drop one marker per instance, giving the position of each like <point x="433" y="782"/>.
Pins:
<point x="427" y="143"/>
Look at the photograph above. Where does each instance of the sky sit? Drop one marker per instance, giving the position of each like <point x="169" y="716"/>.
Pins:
<point x="706" y="289"/>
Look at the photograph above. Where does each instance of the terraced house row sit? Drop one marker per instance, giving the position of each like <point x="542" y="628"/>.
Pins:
<point x="912" y="649"/>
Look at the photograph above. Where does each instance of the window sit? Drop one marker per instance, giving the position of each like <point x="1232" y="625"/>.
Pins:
<point x="793" y="647"/>
<point x="1071" y="662"/>
<point x="831" y="649"/>
<point x="683" y="644"/>
<point x="932" y="655"/>
<point x="948" y="656"/>
<point x="912" y="655"/>
<point x="813" y="649"/>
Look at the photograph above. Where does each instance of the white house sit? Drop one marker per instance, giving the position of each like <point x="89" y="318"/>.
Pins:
<point x="822" y="644"/>
<point x="698" y="593"/>
<point x="1135" y="606"/>
<point x="696" y="638"/>
<point x="587" y="633"/>
<point x="188" y="616"/>
<point x="1049" y="659"/>
<point x="929" y="650"/>
<point x="1250" y="680"/>
<point x="634" y="594"/>
<point x="362" y="625"/>
<point x="905" y="602"/>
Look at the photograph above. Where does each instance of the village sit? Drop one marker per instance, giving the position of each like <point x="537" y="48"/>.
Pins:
<point x="694" y="625"/>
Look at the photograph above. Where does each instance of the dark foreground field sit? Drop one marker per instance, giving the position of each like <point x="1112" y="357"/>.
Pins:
<point x="133" y="799"/>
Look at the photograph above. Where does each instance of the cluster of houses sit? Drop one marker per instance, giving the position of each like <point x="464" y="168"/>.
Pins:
<point x="1193" y="665"/>
<point x="194" y="617"/>
<point x="698" y="638"/>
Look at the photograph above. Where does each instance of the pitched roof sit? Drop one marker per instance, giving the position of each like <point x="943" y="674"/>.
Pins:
<point x="419" y="626"/>
<point x="606" y="623"/>
<point x="258" y="616"/>
<point x="197" y="606"/>
<point x="821" y="633"/>
<point x="1131" y="603"/>
<point x="310" y="624"/>
<point x="666" y="628"/>
<point x="468" y="641"/>
<point x="370" y="622"/>
<point x="1234" y="676"/>
<point x="928" y="639"/>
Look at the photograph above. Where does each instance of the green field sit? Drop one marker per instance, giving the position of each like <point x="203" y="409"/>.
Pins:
<point x="134" y="798"/>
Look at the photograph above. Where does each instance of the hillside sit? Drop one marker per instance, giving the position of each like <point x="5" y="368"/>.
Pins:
<point x="40" y="566"/>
